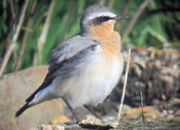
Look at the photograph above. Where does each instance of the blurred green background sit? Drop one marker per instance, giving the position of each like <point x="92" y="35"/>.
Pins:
<point x="158" y="24"/>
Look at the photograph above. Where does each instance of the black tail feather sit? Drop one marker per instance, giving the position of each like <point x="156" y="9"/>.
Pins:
<point x="22" y="109"/>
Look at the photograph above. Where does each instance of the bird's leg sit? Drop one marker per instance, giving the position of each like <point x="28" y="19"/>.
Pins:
<point x="72" y="110"/>
<point x="92" y="111"/>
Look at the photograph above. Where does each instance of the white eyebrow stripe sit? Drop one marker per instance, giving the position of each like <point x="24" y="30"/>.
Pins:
<point x="94" y="15"/>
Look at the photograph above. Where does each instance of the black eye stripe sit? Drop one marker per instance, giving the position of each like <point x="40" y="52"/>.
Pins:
<point x="100" y="19"/>
<point x="103" y="18"/>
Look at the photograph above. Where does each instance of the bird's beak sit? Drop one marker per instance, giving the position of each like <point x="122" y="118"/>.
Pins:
<point x="120" y="17"/>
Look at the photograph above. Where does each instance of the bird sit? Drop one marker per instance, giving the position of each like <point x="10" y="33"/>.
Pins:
<point x="84" y="69"/>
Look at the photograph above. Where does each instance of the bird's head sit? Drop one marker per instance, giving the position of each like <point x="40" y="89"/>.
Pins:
<point x="98" y="16"/>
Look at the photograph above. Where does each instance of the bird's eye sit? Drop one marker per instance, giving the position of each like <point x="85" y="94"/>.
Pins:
<point x="103" y="18"/>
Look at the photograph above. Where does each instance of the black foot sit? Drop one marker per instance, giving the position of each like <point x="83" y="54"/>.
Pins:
<point x="72" y="110"/>
<point x="72" y="123"/>
<point x="92" y="111"/>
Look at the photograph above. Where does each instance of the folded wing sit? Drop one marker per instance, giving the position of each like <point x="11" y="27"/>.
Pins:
<point x="64" y="55"/>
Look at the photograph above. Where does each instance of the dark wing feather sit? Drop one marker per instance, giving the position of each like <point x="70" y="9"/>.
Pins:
<point x="49" y="78"/>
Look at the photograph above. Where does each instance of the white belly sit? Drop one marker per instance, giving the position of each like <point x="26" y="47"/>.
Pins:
<point x="107" y="82"/>
<point x="93" y="85"/>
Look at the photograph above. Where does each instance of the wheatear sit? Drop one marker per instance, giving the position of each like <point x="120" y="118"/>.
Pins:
<point x="84" y="69"/>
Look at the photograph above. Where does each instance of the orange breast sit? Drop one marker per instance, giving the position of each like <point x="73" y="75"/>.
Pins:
<point x="110" y="40"/>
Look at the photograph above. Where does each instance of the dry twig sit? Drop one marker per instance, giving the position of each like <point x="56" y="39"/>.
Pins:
<point x="12" y="9"/>
<point x="71" y="14"/>
<point x="142" y="115"/>
<point x="13" y="42"/>
<point x="133" y="21"/>
<point x="102" y="2"/>
<point x="110" y="4"/>
<point x="125" y="12"/>
<point x="124" y="86"/>
<point x="25" y="37"/>
<point x="43" y="36"/>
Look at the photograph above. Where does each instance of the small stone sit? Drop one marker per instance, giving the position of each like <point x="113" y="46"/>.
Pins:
<point x="149" y="113"/>
<point x="170" y="116"/>
<point x="106" y="122"/>
<point x="60" y="127"/>
<point x="170" y="111"/>
<point x="126" y="110"/>
<point x="60" y="120"/>
<point x="164" y="113"/>
<point x="177" y="113"/>
<point x="155" y="101"/>
<point x="163" y="97"/>
<point x="164" y="106"/>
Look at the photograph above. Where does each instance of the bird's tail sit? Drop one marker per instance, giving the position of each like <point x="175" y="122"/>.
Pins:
<point x="22" y="109"/>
